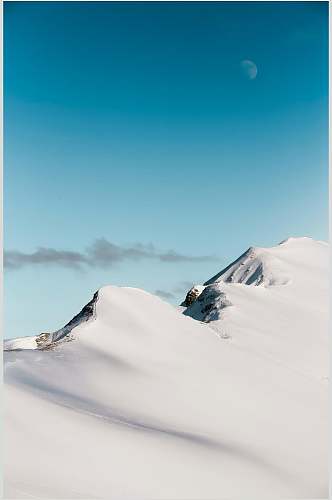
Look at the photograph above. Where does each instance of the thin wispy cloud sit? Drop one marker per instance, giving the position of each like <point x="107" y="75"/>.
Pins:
<point x="163" y="294"/>
<point x="14" y="259"/>
<point x="101" y="254"/>
<point x="183" y="286"/>
<point x="177" y="291"/>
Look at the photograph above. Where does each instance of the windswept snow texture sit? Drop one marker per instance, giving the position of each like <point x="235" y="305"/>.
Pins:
<point x="146" y="402"/>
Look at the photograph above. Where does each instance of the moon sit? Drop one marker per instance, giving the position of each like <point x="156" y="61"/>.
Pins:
<point x="249" y="69"/>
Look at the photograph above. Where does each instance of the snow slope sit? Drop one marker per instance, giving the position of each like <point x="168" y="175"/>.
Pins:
<point x="145" y="402"/>
<point x="274" y="302"/>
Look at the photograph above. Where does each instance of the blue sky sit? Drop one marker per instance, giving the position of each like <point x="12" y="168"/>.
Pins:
<point x="136" y="123"/>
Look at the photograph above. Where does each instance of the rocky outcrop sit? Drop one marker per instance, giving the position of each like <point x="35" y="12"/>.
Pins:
<point x="87" y="313"/>
<point x="192" y="295"/>
<point x="209" y="304"/>
<point x="43" y="339"/>
<point x="47" y="340"/>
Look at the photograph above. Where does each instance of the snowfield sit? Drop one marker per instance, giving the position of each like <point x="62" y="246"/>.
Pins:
<point x="133" y="399"/>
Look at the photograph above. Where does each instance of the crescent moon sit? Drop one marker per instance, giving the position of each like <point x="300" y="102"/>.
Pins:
<point x="249" y="69"/>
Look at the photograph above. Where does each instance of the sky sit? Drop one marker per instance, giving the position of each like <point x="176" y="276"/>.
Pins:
<point x="149" y="144"/>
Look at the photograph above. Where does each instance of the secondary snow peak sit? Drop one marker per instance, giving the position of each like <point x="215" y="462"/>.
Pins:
<point x="256" y="266"/>
<point x="287" y="263"/>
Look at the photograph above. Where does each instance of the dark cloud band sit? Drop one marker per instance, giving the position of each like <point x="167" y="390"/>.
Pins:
<point x="102" y="254"/>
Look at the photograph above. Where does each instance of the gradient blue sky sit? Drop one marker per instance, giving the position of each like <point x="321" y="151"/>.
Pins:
<point x="135" y="122"/>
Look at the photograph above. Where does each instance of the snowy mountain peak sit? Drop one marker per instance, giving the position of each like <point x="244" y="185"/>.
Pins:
<point x="301" y="240"/>
<point x="256" y="266"/>
<point x="267" y="266"/>
<point x="286" y="265"/>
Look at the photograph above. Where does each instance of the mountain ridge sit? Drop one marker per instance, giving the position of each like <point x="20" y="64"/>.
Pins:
<point x="175" y="407"/>
<point x="254" y="267"/>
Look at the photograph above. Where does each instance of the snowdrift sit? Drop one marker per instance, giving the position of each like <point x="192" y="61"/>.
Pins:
<point x="133" y="399"/>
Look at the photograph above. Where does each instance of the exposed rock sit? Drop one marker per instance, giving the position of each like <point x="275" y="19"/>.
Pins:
<point x="85" y="314"/>
<point x="192" y="295"/>
<point x="47" y="340"/>
<point x="209" y="304"/>
<point x="43" y="340"/>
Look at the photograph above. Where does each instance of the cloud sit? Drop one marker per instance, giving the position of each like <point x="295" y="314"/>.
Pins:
<point x="14" y="259"/>
<point x="164" y="295"/>
<point x="102" y="254"/>
<point x="183" y="286"/>
<point x="172" y="256"/>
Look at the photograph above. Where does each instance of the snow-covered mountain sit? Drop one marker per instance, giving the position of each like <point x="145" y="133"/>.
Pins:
<point x="132" y="399"/>
<point x="273" y="301"/>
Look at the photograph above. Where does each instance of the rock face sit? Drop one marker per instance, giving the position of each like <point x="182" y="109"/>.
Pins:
<point x="84" y="315"/>
<point x="43" y="339"/>
<point x="207" y="306"/>
<point x="192" y="295"/>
